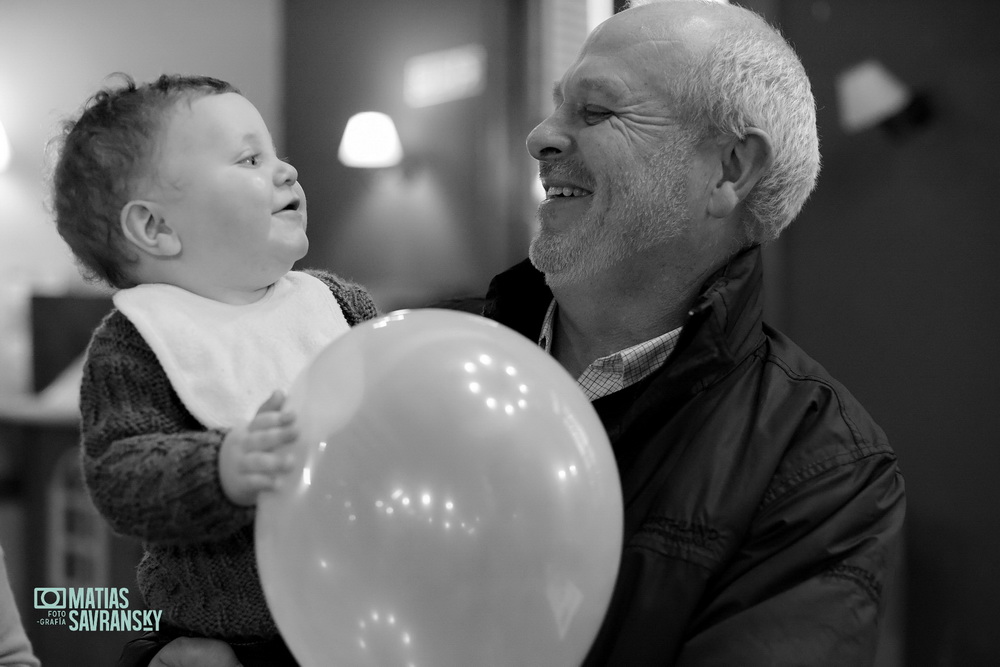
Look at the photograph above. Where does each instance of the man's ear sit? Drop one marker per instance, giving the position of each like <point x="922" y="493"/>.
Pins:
<point x="147" y="230"/>
<point x="743" y="163"/>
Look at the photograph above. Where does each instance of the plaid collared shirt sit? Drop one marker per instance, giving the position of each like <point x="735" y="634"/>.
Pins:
<point x="609" y="374"/>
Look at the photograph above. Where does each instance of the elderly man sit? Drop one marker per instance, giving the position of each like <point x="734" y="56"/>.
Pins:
<point x="761" y="501"/>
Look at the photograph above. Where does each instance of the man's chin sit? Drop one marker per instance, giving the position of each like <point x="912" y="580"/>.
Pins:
<point x="562" y="266"/>
<point x="547" y="255"/>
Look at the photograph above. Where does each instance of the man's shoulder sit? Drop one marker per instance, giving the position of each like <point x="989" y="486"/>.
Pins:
<point x="824" y="426"/>
<point x="810" y="383"/>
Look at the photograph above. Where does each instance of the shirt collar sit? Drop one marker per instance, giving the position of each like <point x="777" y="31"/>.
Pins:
<point x="723" y="327"/>
<point x="621" y="369"/>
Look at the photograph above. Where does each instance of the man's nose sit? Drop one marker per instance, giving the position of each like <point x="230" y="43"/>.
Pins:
<point x="549" y="140"/>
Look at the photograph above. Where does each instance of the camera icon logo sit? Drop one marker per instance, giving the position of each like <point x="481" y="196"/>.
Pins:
<point x="50" y="598"/>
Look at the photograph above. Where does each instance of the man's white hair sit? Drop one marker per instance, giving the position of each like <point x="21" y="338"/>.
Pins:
<point x="751" y="78"/>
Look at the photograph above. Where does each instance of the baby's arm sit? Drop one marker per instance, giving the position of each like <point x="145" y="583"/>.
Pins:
<point x="152" y="469"/>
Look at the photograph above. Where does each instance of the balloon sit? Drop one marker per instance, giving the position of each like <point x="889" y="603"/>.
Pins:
<point x="456" y="503"/>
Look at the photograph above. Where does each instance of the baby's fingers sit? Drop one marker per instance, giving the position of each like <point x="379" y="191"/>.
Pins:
<point x="254" y="484"/>
<point x="273" y="402"/>
<point x="270" y="439"/>
<point x="266" y="464"/>
<point x="271" y="420"/>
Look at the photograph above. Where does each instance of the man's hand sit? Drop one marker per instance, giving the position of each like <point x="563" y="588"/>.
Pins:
<point x="254" y="456"/>
<point x="195" y="652"/>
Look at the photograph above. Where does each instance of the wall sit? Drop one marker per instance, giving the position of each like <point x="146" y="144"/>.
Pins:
<point x="454" y="215"/>
<point x="56" y="53"/>
<point x="891" y="280"/>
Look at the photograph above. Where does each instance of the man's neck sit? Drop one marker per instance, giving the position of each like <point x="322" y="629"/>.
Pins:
<point x="626" y="305"/>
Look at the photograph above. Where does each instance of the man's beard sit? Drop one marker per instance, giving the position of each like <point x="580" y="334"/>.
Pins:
<point x="634" y="209"/>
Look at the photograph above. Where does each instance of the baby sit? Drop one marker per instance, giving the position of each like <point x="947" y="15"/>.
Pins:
<point x="172" y="192"/>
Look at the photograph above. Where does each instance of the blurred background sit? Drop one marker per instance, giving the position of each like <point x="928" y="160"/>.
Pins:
<point x="889" y="277"/>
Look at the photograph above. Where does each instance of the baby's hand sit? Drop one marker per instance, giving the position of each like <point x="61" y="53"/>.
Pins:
<point x="254" y="456"/>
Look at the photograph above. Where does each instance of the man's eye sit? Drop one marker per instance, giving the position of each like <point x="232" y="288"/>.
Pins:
<point x="594" y="115"/>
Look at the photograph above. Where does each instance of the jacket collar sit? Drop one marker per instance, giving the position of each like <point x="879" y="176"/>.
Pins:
<point x="519" y="298"/>
<point x="723" y="325"/>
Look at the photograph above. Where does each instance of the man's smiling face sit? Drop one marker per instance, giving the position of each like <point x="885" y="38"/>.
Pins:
<point x="613" y="157"/>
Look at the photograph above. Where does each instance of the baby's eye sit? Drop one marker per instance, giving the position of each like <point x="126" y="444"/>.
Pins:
<point x="251" y="160"/>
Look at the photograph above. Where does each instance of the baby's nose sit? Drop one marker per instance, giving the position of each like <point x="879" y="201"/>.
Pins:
<point x="285" y="173"/>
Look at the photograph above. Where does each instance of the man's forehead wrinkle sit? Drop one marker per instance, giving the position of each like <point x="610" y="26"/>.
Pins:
<point x="671" y="34"/>
<point x="611" y="87"/>
<point x="588" y="76"/>
<point x="678" y="22"/>
<point x="668" y="52"/>
<point x="668" y="37"/>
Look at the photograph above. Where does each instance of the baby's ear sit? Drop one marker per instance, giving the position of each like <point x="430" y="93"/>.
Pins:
<point x="147" y="230"/>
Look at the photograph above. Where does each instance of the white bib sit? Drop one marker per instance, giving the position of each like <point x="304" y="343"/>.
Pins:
<point x="225" y="360"/>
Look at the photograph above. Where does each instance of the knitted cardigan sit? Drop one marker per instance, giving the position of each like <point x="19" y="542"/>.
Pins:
<point x="152" y="471"/>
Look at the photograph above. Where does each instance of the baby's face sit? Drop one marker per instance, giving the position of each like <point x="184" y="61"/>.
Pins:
<point x="238" y="209"/>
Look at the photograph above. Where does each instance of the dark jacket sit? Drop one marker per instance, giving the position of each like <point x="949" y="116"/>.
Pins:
<point x="762" y="503"/>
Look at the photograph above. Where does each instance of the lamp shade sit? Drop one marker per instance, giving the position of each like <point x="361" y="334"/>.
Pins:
<point x="868" y="94"/>
<point x="4" y="149"/>
<point x="370" y="140"/>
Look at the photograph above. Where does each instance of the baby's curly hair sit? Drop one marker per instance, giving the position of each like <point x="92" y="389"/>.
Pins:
<point x="102" y="155"/>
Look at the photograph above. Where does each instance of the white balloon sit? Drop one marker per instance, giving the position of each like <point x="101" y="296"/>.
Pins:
<point x="457" y="503"/>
